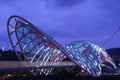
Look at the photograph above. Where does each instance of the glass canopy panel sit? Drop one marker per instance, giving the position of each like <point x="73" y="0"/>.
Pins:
<point x="86" y="55"/>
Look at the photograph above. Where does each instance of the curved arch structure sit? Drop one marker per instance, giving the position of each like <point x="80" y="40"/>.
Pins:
<point x="88" y="55"/>
<point x="35" y="45"/>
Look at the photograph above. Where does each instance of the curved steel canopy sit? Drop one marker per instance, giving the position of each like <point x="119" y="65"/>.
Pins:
<point x="35" y="45"/>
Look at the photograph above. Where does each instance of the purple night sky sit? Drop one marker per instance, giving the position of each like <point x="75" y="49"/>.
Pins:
<point x="66" y="20"/>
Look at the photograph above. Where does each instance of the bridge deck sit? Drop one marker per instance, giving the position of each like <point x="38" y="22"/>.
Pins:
<point x="18" y="65"/>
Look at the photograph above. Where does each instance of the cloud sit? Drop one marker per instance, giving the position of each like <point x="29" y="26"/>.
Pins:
<point x="68" y="3"/>
<point x="66" y="20"/>
<point x="62" y="4"/>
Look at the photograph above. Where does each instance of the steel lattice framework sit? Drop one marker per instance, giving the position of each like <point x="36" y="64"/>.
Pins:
<point x="88" y="55"/>
<point x="35" y="45"/>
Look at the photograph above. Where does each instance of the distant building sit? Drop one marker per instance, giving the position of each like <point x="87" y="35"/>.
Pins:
<point x="3" y="49"/>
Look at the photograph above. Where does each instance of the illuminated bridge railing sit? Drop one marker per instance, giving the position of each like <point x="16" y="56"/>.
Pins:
<point x="18" y="65"/>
